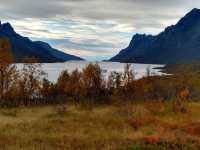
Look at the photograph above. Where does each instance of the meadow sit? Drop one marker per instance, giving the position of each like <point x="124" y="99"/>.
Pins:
<point x="134" y="126"/>
<point x="83" y="110"/>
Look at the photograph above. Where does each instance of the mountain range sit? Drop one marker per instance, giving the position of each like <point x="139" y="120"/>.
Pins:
<point x="23" y="47"/>
<point x="178" y="43"/>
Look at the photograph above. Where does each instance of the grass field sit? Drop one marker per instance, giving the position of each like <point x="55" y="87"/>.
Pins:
<point x="129" y="127"/>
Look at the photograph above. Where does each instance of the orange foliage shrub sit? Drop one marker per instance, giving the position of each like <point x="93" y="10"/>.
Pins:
<point x="193" y="129"/>
<point x="151" y="140"/>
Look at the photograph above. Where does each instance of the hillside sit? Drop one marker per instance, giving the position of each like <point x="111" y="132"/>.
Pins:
<point x="23" y="47"/>
<point x="178" y="43"/>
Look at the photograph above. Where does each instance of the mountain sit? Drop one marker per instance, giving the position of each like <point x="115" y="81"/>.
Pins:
<point x="23" y="47"/>
<point x="178" y="43"/>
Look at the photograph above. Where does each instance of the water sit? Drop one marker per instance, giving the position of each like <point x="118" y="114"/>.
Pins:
<point x="53" y="70"/>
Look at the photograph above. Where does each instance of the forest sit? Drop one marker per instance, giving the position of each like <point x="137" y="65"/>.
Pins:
<point x="29" y="86"/>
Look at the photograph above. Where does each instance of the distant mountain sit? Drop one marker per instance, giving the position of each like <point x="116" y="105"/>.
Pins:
<point x="178" y="43"/>
<point x="23" y="47"/>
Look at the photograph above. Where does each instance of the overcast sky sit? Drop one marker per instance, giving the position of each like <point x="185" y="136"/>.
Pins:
<point x="92" y="29"/>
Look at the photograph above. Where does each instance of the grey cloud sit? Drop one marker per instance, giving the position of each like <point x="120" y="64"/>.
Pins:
<point x="122" y="11"/>
<point x="138" y="14"/>
<point x="94" y="9"/>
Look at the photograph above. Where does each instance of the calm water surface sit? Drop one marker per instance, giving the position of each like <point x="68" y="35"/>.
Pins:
<point x="53" y="70"/>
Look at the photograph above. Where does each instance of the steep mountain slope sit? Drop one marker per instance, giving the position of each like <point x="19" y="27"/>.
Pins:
<point x="176" y="44"/>
<point x="23" y="47"/>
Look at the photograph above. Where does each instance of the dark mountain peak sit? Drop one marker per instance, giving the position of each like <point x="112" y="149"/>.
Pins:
<point x="168" y="29"/>
<point x="194" y="11"/>
<point x="23" y="47"/>
<point x="190" y="18"/>
<point x="7" y="27"/>
<point x="177" y="43"/>
<point x="140" y="37"/>
<point x="137" y="36"/>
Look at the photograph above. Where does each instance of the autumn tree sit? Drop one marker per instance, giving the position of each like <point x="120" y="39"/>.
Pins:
<point x="30" y="82"/>
<point x="114" y="83"/>
<point x="62" y="84"/>
<point x="128" y="75"/>
<point x="49" y="92"/>
<point x="93" y="86"/>
<point x="69" y="85"/>
<point x="8" y="72"/>
<point x="75" y="85"/>
<point x="128" y="78"/>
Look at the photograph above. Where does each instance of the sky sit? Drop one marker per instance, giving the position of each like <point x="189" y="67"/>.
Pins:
<point x="92" y="29"/>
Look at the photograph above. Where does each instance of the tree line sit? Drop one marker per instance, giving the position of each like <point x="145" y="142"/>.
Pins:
<point x="28" y="86"/>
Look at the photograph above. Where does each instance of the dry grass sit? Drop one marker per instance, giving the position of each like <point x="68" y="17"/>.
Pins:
<point x="133" y="126"/>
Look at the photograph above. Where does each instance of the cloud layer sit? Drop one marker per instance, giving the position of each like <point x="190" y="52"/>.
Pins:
<point x="93" y="29"/>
